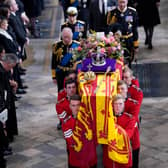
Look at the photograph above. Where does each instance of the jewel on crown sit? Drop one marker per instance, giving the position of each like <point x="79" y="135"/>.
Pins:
<point x="98" y="58"/>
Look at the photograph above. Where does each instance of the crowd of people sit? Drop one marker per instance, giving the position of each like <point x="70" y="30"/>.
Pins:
<point x="16" y="21"/>
<point x="116" y="16"/>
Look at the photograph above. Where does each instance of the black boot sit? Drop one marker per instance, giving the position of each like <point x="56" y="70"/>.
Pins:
<point x="146" y="40"/>
<point x="59" y="126"/>
<point x="135" y="157"/>
<point x="146" y="35"/>
<point x="7" y="151"/>
<point x="150" y="46"/>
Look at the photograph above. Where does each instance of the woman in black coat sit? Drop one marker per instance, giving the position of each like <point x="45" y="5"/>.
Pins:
<point x="148" y="18"/>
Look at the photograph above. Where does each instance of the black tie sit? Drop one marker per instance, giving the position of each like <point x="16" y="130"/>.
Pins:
<point x="103" y="8"/>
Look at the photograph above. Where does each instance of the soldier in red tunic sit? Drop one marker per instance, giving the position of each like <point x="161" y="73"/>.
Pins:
<point x="133" y="85"/>
<point x="136" y="93"/>
<point x="62" y="106"/>
<point x="126" y="121"/>
<point x="132" y="107"/>
<point x="129" y="78"/>
<point x="73" y="129"/>
<point x="62" y="93"/>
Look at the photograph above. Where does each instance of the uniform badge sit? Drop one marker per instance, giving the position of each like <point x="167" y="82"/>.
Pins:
<point x="79" y="28"/>
<point x="59" y="52"/>
<point x="129" y="25"/>
<point x="121" y="14"/>
<point x="129" y="19"/>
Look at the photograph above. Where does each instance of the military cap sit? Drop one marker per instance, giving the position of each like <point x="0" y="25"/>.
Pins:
<point x="72" y="10"/>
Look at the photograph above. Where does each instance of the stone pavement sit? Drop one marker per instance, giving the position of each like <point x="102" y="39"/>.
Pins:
<point x="40" y="145"/>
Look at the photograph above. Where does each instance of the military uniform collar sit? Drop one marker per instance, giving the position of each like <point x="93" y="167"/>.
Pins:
<point x="73" y="23"/>
<point x="118" y="115"/>
<point x="129" y="85"/>
<point x="13" y="13"/>
<point x="74" y="116"/>
<point x="68" y="45"/>
<point x="126" y="98"/>
<point x="123" y="10"/>
<point x="68" y="98"/>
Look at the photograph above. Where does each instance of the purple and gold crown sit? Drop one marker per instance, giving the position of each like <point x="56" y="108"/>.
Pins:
<point x="98" y="59"/>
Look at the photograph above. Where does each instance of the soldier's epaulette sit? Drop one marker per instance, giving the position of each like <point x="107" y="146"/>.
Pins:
<point x="137" y="88"/>
<point x="65" y="23"/>
<point x="132" y="8"/>
<point x="128" y="114"/>
<point x="58" y="42"/>
<point x="133" y="100"/>
<point x="54" y="45"/>
<point x="75" y="41"/>
<point x="80" y="21"/>
<point x="61" y="100"/>
<point x="113" y="8"/>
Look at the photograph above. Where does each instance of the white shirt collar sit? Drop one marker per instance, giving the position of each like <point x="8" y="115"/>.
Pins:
<point x="105" y="5"/>
<point x="13" y="13"/>
<point x="6" y="34"/>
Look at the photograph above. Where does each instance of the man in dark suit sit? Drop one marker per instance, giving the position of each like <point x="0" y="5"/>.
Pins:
<point x="18" y="27"/>
<point x="98" y="14"/>
<point x="2" y="144"/>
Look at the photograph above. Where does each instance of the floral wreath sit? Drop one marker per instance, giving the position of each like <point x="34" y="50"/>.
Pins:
<point x="109" y="45"/>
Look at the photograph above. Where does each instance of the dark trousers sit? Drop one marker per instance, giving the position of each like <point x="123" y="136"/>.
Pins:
<point x="149" y="35"/>
<point x="60" y="80"/>
<point x="129" y="52"/>
<point x="135" y="154"/>
<point x="2" y="146"/>
<point x="11" y="123"/>
<point x="16" y="76"/>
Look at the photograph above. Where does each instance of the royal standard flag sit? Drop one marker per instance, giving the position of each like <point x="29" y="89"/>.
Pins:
<point x="97" y="95"/>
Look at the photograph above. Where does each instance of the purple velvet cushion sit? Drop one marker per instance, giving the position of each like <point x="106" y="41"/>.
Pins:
<point x="87" y="62"/>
